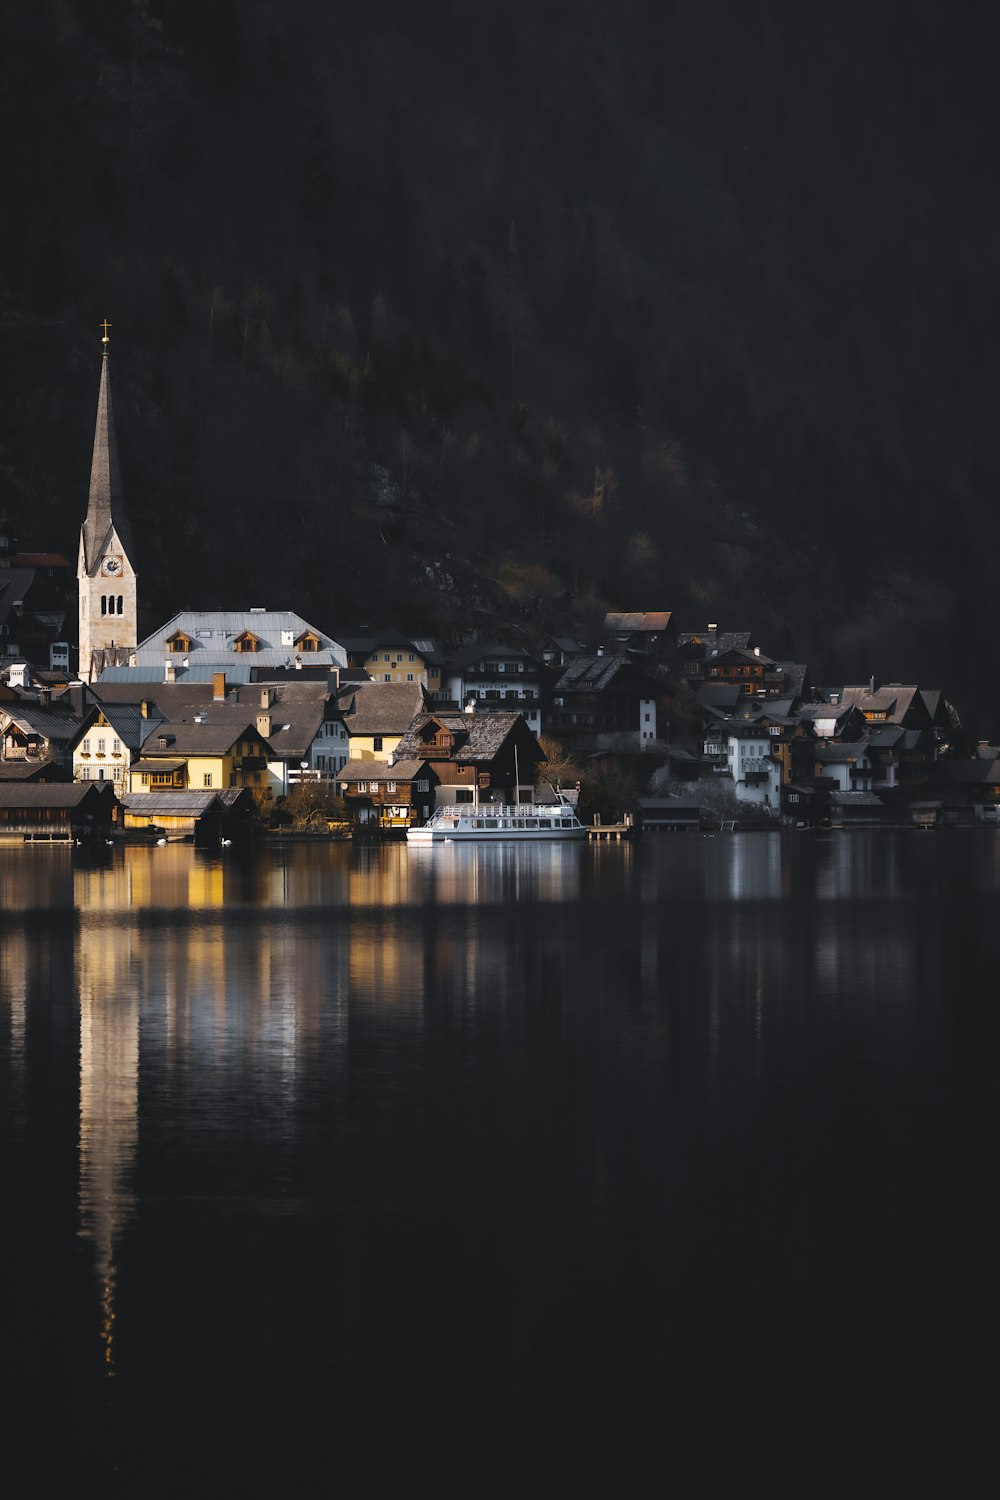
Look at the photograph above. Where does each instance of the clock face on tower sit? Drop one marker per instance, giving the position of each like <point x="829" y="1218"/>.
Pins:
<point x="111" y="567"/>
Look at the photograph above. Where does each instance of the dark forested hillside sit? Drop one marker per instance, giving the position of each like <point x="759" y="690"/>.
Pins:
<point x="438" y="311"/>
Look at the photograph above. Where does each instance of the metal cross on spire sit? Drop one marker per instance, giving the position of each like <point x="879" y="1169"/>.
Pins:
<point x="106" y="325"/>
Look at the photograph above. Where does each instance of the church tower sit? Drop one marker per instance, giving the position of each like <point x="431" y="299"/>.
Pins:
<point x="106" y="571"/>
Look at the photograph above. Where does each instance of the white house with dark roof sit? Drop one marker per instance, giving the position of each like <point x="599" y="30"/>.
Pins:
<point x="499" y="679"/>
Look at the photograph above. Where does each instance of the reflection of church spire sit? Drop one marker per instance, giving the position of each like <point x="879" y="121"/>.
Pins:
<point x="109" y="1103"/>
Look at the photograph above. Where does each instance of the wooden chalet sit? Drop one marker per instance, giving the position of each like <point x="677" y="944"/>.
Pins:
<point x="475" y="755"/>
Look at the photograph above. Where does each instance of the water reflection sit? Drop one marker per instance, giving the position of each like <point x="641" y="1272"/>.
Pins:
<point x="354" y="1123"/>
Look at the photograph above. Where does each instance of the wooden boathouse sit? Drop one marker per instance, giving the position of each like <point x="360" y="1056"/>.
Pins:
<point x="56" y="812"/>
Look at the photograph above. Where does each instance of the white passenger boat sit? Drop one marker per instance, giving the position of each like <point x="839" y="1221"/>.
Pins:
<point x="498" y="822"/>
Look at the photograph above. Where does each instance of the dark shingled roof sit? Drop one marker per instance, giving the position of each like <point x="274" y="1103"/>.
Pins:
<point x="52" y="794"/>
<point x="478" y="736"/>
<point x="380" y="707"/>
<point x="594" y="674"/>
<point x="382" y="770"/>
<point x="54" y="723"/>
<point x="845" y="751"/>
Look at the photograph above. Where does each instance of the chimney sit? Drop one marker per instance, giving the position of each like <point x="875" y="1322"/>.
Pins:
<point x="218" y="687"/>
<point x="713" y="631"/>
<point x="75" y="693"/>
<point x="169" y="671"/>
<point x="264" y="725"/>
<point x="144" y="708"/>
<point x="266" y="697"/>
<point x="44" y="696"/>
<point x="756" y="651"/>
<point x="470" y="706"/>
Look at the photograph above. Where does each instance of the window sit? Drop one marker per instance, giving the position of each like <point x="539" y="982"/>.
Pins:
<point x="85" y="773"/>
<point x="390" y="786"/>
<point x="463" y="794"/>
<point x="207" y="779"/>
<point x="410" y="656"/>
<point x="409" y="676"/>
<point x="387" y="657"/>
<point x="100" y="746"/>
<point x="86" y="746"/>
<point x="386" y="676"/>
<point x="376" y="742"/>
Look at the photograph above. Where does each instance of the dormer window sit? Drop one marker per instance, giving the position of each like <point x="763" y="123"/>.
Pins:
<point x="246" y="641"/>
<point x="307" y="641"/>
<point x="179" y="643"/>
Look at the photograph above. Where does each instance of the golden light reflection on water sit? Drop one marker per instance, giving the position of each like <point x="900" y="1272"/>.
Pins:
<point x="234" y="977"/>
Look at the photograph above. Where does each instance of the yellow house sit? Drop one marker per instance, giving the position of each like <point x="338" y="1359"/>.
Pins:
<point x="201" y="756"/>
<point x="376" y="715"/>
<point x="390" y="657"/>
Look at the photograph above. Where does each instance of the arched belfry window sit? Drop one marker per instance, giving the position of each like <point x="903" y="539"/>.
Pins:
<point x="104" y="604"/>
<point x="121" y="601"/>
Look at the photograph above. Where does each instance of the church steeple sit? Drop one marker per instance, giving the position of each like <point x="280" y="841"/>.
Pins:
<point x="106" y="507"/>
<point x="106" y="569"/>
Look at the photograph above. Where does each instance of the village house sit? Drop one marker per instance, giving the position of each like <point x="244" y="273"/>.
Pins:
<point x="42" y="735"/>
<point x="68" y="812"/>
<point x="647" y="634"/>
<point x="376" y="715"/>
<point x="475" y="756"/>
<point x="388" y="656"/>
<point x="386" y="795"/>
<point x="605" y="703"/>
<point x="112" y="738"/>
<point x="208" y="753"/>
<point x="243" y="644"/>
<point x="497" y="677"/>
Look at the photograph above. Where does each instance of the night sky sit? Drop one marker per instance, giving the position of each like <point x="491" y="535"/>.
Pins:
<point x="442" y="314"/>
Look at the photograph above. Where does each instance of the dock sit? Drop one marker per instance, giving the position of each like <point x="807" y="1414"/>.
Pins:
<point x="599" y="832"/>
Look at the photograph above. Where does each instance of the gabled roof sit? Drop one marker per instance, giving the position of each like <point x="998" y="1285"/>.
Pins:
<point x="126" y="719"/>
<point x="840" y="754"/>
<point x="35" y="769"/>
<point x="377" y="640"/>
<point x="53" y="724"/>
<point x="483" y="653"/>
<point x="169" y="804"/>
<point x="720" y="695"/>
<point x="894" y="699"/>
<point x="595" y="674"/>
<point x="52" y="793"/>
<point x="380" y="707"/>
<point x="212" y="738"/>
<point x="478" y="736"/>
<point x="645" y="622"/>
<point x="213" y="634"/>
<point x="14" y="584"/>
<point x="718" y="640"/>
<point x="383" y="770"/>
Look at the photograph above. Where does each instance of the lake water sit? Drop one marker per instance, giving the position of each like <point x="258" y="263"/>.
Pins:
<point x="661" y="1165"/>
